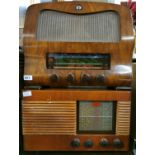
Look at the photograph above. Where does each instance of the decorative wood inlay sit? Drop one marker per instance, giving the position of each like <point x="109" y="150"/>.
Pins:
<point x="123" y="118"/>
<point x="54" y="118"/>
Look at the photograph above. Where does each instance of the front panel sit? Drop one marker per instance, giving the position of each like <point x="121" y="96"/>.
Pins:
<point x="99" y="121"/>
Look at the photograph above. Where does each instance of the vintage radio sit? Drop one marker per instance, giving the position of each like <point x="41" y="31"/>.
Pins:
<point x="78" y="44"/>
<point x="79" y="53"/>
<point x="76" y="120"/>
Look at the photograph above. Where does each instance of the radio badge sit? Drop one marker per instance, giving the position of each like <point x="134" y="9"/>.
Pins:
<point x="78" y="7"/>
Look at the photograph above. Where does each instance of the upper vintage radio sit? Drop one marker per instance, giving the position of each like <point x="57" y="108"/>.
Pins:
<point x="78" y="44"/>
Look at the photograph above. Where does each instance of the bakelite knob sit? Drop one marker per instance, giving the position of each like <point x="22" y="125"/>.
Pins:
<point x="117" y="142"/>
<point x="75" y="142"/>
<point x="70" y="77"/>
<point x="86" y="78"/>
<point x="104" y="142"/>
<point x="88" y="143"/>
<point x="100" y="78"/>
<point x="54" y="78"/>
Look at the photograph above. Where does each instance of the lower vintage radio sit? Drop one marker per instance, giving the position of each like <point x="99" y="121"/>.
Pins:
<point x="76" y="120"/>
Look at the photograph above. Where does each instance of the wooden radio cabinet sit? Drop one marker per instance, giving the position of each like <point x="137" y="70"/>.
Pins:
<point x="78" y="53"/>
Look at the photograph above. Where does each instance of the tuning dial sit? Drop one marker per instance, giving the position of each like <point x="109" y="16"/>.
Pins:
<point x="104" y="142"/>
<point x="117" y="142"/>
<point x="54" y="77"/>
<point x="86" y="78"/>
<point x="70" y="77"/>
<point x="100" y="78"/>
<point x="75" y="142"/>
<point x="88" y="143"/>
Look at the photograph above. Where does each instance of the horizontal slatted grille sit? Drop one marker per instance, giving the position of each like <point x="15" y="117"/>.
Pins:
<point x="123" y="118"/>
<point x="98" y="27"/>
<point x="49" y="118"/>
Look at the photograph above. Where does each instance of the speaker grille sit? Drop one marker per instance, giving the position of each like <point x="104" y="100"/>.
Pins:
<point x="43" y="118"/>
<point x="98" y="27"/>
<point x="123" y="118"/>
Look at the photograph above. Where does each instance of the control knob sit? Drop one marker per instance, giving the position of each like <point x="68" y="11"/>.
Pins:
<point x="104" y="142"/>
<point x="117" y="142"/>
<point x="54" y="78"/>
<point x="86" y="78"/>
<point x="100" y="78"/>
<point x="75" y="142"/>
<point x="70" y="77"/>
<point x="88" y="143"/>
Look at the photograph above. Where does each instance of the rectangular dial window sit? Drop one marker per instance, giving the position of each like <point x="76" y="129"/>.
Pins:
<point x="96" y="116"/>
<point x="82" y="61"/>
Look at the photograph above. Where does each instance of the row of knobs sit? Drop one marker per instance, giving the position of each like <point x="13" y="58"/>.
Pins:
<point x="89" y="143"/>
<point x="71" y="78"/>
